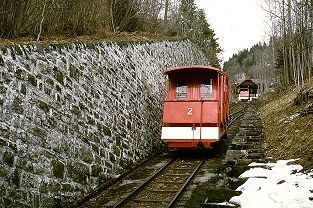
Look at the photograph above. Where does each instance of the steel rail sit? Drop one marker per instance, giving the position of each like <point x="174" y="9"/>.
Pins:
<point x="242" y="112"/>
<point x="234" y="119"/>
<point x="185" y="184"/>
<point x="130" y="195"/>
<point x="239" y="111"/>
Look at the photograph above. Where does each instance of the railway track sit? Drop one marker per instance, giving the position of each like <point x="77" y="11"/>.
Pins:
<point x="158" y="183"/>
<point x="164" y="187"/>
<point x="237" y="112"/>
<point x="181" y="179"/>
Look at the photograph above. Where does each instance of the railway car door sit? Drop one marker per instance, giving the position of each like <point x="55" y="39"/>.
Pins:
<point x="209" y="108"/>
<point x="194" y="95"/>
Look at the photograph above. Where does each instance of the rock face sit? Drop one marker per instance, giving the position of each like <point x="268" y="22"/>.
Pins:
<point x="73" y="114"/>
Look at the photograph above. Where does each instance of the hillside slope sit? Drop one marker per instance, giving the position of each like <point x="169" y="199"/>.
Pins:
<point x="288" y="129"/>
<point x="100" y="37"/>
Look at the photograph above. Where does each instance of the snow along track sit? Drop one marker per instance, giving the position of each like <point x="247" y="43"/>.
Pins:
<point x="245" y="136"/>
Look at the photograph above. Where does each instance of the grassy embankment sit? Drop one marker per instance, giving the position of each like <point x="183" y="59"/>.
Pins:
<point x="105" y="36"/>
<point x="288" y="134"/>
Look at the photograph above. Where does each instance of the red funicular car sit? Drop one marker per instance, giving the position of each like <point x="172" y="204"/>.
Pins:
<point x="196" y="106"/>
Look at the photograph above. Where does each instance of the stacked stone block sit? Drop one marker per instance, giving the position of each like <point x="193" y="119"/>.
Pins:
<point x="72" y="115"/>
<point x="246" y="146"/>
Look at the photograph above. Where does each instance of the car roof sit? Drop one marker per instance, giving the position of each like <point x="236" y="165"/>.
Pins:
<point x="204" y="68"/>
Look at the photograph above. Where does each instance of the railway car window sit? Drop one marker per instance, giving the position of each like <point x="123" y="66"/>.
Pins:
<point x="181" y="89"/>
<point x="206" y="89"/>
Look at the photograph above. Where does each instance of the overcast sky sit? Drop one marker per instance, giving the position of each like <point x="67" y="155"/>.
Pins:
<point x="238" y="24"/>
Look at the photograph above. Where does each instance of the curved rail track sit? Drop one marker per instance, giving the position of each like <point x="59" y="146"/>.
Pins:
<point x="238" y="113"/>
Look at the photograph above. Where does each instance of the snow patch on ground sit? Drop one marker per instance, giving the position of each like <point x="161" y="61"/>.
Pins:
<point x="275" y="185"/>
<point x="289" y="118"/>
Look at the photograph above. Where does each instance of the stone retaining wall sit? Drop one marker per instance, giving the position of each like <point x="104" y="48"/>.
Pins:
<point x="72" y="115"/>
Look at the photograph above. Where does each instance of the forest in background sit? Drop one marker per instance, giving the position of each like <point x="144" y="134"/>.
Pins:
<point x="40" y="19"/>
<point x="286" y="60"/>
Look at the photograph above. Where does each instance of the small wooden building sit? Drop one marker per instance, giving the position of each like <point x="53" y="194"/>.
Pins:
<point x="248" y="89"/>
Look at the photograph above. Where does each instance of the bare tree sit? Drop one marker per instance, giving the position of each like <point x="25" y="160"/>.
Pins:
<point x="293" y="32"/>
<point x="42" y="18"/>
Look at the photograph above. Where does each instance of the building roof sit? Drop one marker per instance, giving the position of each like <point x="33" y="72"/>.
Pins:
<point x="249" y="82"/>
